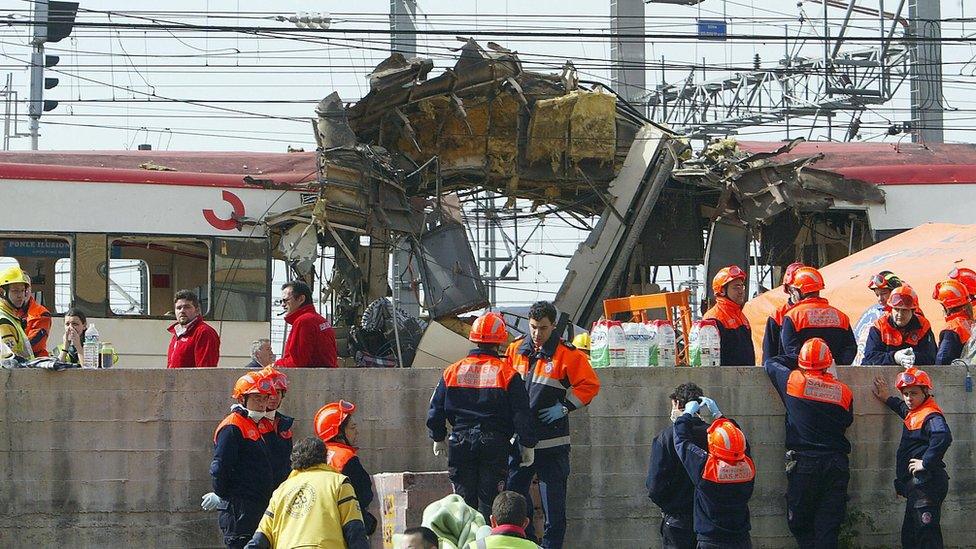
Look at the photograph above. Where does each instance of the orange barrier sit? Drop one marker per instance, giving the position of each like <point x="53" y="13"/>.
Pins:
<point x="638" y="305"/>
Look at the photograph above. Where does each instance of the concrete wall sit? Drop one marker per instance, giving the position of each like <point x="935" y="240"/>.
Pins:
<point x="112" y="458"/>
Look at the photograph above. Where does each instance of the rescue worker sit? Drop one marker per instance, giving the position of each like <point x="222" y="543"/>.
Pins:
<point x="901" y="337"/>
<point x="485" y="401"/>
<point x="315" y="507"/>
<point x="241" y="468"/>
<point x="276" y="427"/>
<point x="774" y="324"/>
<point x="881" y="284"/>
<point x="668" y="484"/>
<point x="559" y="379"/>
<point x="723" y="475"/>
<point x="819" y="409"/>
<point x="968" y="278"/>
<point x="813" y="316"/>
<point x="508" y="522"/>
<point x="312" y="340"/>
<point x="195" y="344"/>
<point x="920" y="474"/>
<point x="582" y="341"/>
<point x="336" y="426"/>
<point x="958" y="330"/>
<point x="729" y="286"/>
<point x="14" y="290"/>
<point x="36" y="320"/>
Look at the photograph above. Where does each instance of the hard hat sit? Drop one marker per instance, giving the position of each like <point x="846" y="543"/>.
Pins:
<point x="252" y="383"/>
<point x="807" y="280"/>
<point x="13" y="275"/>
<point x="951" y="293"/>
<point x="582" y="341"/>
<point x="726" y="441"/>
<point x="330" y="418"/>
<point x="913" y="377"/>
<point x="489" y="328"/>
<point x="885" y="280"/>
<point x="788" y="274"/>
<point x="903" y="297"/>
<point x="726" y="275"/>
<point x="968" y="278"/>
<point x="278" y="378"/>
<point x="815" y="355"/>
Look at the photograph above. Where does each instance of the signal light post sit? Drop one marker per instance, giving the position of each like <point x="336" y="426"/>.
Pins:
<point x="53" y="22"/>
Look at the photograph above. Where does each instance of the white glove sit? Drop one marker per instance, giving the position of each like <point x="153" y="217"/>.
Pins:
<point x="528" y="456"/>
<point x="440" y="448"/>
<point x="210" y="501"/>
<point x="905" y="357"/>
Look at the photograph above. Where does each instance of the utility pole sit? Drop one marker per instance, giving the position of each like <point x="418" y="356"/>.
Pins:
<point x="926" y="70"/>
<point x="403" y="38"/>
<point x="53" y="22"/>
<point x="627" y="54"/>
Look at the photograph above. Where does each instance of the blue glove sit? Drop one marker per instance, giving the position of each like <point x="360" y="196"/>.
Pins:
<point x="692" y="407"/>
<point x="712" y="407"/>
<point x="552" y="413"/>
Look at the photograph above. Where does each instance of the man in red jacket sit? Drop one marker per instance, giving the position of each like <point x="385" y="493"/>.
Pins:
<point x="312" y="341"/>
<point x="195" y="344"/>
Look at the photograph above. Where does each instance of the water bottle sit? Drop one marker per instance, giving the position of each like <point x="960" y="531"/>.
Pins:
<point x="711" y="344"/>
<point x="616" y="344"/>
<point x="666" y="344"/>
<point x="91" y="348"/>
<point x="107" y="355"/>
<point x="7" y="357"/>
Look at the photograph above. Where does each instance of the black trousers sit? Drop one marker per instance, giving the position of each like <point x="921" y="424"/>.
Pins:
<point x="678" y="533"/>
<point x="477" y="464"/>
<point x="921" y="527"/>
<point x="239" y="521"/>
<point x="742" y="544"/>
<point x="816" y="500"/>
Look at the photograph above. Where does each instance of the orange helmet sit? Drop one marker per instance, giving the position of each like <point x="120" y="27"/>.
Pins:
<point x="913" y="377"/>
<point x="807" y="280"/>
<point x="726" y="275"/>
<point x="788" y="274"/>
<point x="726" y="441"/>
<point x="329" y="418"/>
<point x="815" y="355"/>
<point x="277" y="377"/>
<point x="903" y="297"/>
<point x="968" y="278"/>
<point x="885" y="280"/>
<point x="951" y="293"/>
<point x="489" y="328"/>
<point x="252" y="383"/>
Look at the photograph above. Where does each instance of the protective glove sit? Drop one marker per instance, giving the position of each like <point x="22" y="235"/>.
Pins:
<point x="210" y="501"/>
<point x="553" y="413"/>
<point x="905" y="357"/>
<point x="712" y="407"/>
<point x="440" y="447"/>
<point x="692" y="407"/>
<point x="528" y="456"/>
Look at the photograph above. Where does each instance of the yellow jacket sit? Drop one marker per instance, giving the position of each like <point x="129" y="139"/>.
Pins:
<point x="311" y="509"/>
<point x="12" y="332"/>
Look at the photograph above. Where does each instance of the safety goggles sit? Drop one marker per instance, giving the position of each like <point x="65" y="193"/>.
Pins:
<point x="883" y="281"/>
<point x="954" y="273"/>
<point x="736" y="272"/>
<point x="906" y="378"/>
<point x="347" y="407"/>
<point x="902" y="301"/>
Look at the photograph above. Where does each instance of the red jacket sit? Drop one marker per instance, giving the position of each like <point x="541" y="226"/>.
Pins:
<point x="311" y="343"/>
<point x="197" y="347"/>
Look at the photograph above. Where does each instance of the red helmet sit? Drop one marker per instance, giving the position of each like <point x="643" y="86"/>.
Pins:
<point x="330" y="418"/>
<point x="807" y="280"/>
<point x="788" y="274"/>
<point x="277" y="377"/>
<point x="726" y="441"/>
<point x="968" y="278"/>
<point x="903" y="297"/>
<point x="913" y="377"/>
<point x="885" y="280"/>
<point x="489" y="328"/>
<point x="815" y="355"/>
<point x="252" y="383"/>
<point x="726" y="275"/>
<point x="951" y="293"/>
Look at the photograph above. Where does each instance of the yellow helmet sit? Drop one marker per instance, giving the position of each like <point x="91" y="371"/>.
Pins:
<point x="582" y="341"/>
<point x="13" y="275"/>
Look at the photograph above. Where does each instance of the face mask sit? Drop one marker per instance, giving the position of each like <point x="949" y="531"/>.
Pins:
<point x="255" y="416"/>
<point x="270" y="414"/>
<point x="675" y="414"/>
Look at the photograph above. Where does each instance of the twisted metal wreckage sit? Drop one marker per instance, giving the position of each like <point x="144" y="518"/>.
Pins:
<point x="391" y="164"/>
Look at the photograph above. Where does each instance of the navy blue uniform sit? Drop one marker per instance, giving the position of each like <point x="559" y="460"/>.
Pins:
<point x="884" y="340"/>
<point x="242" y="476"/>
<point x="814" y="317"/>
<point x="950" y="348"/>
<point x="721" y="511"/>
<point x="278" y="436"/>
<point x="669" y="487"/>
<point x="772" y="345"/>
<point x="734" y="332"/>
<point x="819" y="409"/>
<point x="924" y="436"/>
<point x="485" y="401"/>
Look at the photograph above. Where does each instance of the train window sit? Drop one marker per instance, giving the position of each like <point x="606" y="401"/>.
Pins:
<point x="41" y="257"/>
<point x="240" y="279"/>
<point x="145" y="273"/>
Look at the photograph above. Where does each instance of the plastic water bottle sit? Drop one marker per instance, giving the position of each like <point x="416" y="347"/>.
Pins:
<point x="91" y="348"/>
<point x="666" y="342"/>
<point x="651" y="328"/>
<point x="638" y="351"/>
<point x="711" y="344"/>
<point x="599" y="352"/>
<point x="617" y="345"/>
